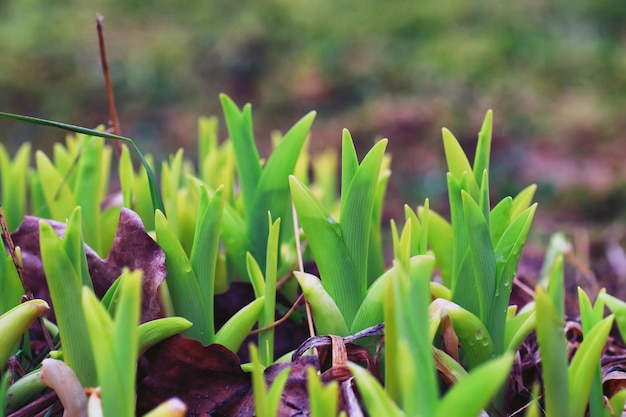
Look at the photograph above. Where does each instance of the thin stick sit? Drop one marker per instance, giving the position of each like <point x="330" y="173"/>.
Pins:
<point x="296" y="229"/>
<point x="280" y="320"/>
<point x="115" y="121"/>
<point x="8" y="241"/>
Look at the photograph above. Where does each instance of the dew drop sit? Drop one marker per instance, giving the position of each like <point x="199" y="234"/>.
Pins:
<point x="479" y="333"/>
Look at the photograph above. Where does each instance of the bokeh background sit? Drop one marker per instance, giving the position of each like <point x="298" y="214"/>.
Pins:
<point x="554" y="72"/>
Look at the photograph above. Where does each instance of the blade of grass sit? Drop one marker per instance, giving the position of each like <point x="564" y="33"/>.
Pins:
<point x="154" y="190"/>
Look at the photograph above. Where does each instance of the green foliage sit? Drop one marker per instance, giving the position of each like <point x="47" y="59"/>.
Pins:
<point x="114" y="341"/>
<point x="13" y="180"/>
<point x="341" y="248"/>
<point x="486" y="243"/>
<point x="14" y="323"/>
<point x="212" y="233"/>
<point x="266" y="401"/>
<point x="66" y="271"/>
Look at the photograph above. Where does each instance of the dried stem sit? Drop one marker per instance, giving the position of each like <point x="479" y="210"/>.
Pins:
<point x="296" y="228"/>
<point x="8" y="242"/>
<point x="115" y="121"/>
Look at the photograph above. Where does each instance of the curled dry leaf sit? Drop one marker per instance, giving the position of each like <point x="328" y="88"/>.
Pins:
<point x="132" y="248"/>
<point x="206" y="379"/>
<point x="210" y="381"/>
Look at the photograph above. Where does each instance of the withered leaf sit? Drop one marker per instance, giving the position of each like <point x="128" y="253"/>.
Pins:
<point x="205" y="378"/>
<point x="132" y="248"/>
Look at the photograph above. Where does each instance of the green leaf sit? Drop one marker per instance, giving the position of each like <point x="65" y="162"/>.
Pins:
<point x="324" y="400"/>
<point x="357" y="207"/>
<point x="377" y="401"/>
<point x="205" y="246"/>
<point x="15" y="322"/>
<point x="553" y="348"/>
<point x="65" y="285"/>
<point x="272" y="191"/>
<point x="463" y="285"/>
<point x="618" y="308"/>
<point x="59" y="198"/>
<point x="236" y="329"/>
<point x="441" y="243"/>
<point x="371" y="311"/>
<point x="246" y="154"/>
<point x="407" y="327"/>
<point x="11" y="289"/>
<point x="74" y="246"/>
<point x="483" y="147"/>
<point x="507" y="254"/>
<point x="375" y="254"/>
<point x="326" y="314"/>
<point x="556" y="287"/>
<point x="500" y="218"/>
<point x="458" y="164"/>
<point x="523" y="200"/>
<point x="152" y="332"/>
<point x="90" y="188"/>
<point x="559" y="245"/>
<point x="171" y="177"/>
<point x="255" y="275"/>
<point x="183" y="284"/>
<point x="584" y="365"/>
<point x="334" y="261"/>
<point x="589" y="317"/>
<point x="125" y="343"/>
<point x="518" y="328"/>
<point x="266" y="401"/>
<point x="349" y="163"/>
<point x="482" y="256"/>
<point x="266" y="337"/>
<point x="472" y="333"/>
<point x="473" y="393"/>
<point x="13" y="176"/>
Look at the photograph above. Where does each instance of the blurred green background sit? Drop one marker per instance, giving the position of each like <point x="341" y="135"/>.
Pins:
<point x="554" y="72"/>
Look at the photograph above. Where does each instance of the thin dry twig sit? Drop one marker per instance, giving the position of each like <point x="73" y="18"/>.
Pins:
<point x="280" y="320"/>
<point x="296" y="229"/>
<point x="10" y="246"/>
<point x="107" y="80"/>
